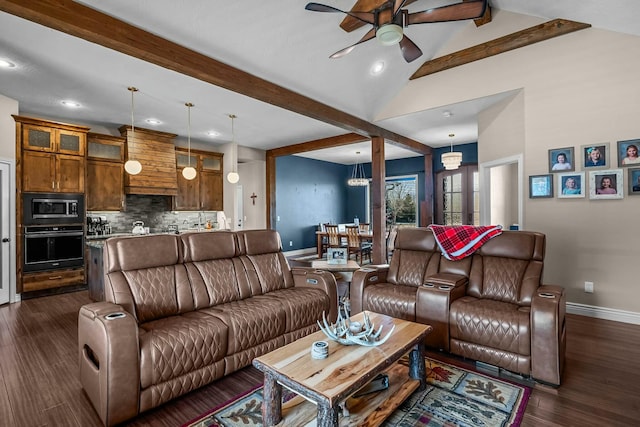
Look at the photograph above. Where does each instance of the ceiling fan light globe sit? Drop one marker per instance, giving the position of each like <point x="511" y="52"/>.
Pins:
<point x="233" y="177"/>
<point x="189" y="173"/>
<point x="389" y="34"/>
<point x="133" y="167"/>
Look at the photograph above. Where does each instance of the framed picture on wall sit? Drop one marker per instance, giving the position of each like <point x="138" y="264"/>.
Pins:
<point x="634" y="182"/>
<point x="337" y="255"/>
<point x="561" y="160"/>
<point x="595" y="156"/>
<point x="606" y="184"/>
<point x="571" y="185"/>
<point x="628" y="153"/>
<point x="540" y="186"/>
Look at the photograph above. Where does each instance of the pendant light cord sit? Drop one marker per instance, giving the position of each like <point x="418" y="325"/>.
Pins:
<point x="189" y="105"/>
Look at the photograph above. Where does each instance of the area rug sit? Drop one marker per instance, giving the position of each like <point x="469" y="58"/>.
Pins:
<point x="454" y="397"/>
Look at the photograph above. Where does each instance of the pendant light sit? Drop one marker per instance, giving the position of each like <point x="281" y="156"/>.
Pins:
<point x="452" y="159"/>
<point x="233" y="176"/>
<point x="189" y="172"/>
<point x="133" y="167"/>
<point x="357" y="175"/>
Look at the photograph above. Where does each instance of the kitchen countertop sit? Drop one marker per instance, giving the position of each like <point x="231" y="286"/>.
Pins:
<point x="98" y="240"/>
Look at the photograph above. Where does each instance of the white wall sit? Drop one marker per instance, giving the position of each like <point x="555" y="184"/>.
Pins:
<point x="8" y="107"/>
<point x="577" y="89"/>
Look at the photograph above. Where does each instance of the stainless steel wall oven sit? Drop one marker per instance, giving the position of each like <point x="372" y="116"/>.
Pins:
<point x="53" y="247"/>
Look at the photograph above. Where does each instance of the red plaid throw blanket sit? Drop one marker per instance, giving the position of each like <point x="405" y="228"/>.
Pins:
<point x="459" y="241"/>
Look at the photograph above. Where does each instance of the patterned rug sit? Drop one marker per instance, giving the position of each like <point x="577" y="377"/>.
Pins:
<point x="454" y="397"/>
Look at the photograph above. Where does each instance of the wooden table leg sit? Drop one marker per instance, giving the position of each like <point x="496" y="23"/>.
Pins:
<point x="272" y="401"/>
<point x="417" y="368"/>
<point x="327" y="416"/>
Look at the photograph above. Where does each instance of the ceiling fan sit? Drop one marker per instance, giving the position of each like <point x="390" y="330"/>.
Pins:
<point x="389" y="19"/>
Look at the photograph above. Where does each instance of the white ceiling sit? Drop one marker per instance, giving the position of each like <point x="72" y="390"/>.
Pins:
<point x="278" y="41"/>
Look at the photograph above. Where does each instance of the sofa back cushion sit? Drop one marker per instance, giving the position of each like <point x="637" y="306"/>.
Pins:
<point x="217" y="276"/>
<point x="508" y="267"/>
<point x="264" y="261"/>
<point x="146" y="276"/>
<point x="415" y="257"/>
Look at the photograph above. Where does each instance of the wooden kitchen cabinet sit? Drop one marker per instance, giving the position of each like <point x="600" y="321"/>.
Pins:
<point x="204" y="193"/>
<point x="105" y="172"/>
<point x="53" y="155"/>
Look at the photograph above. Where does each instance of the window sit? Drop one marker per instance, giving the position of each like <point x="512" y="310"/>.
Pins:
<point x="401" y="200"/>
<point x="458" y="196"/>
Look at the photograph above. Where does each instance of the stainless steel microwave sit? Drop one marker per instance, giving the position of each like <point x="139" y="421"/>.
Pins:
<point x="52" y="208"/>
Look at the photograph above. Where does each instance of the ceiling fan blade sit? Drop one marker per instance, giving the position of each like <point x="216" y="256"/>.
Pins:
<point x="410" y="51"/>
<point x="362" y="16"/>
<point x="339" y="54"/>
<point x="454" y="12"/>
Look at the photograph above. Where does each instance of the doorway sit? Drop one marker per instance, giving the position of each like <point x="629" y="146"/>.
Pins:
<point x="502" y="183"/>
<point x="7" y="231"/>
<point x="458" y="196"/>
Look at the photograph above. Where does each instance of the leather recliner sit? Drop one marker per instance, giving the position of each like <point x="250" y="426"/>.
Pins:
<point x="490" y="307"/>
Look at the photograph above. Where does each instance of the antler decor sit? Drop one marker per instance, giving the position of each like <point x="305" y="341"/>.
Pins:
<point x="349" y="332"/>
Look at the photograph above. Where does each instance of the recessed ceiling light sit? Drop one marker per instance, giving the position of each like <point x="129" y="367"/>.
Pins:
<point x="6" y="64"/>
<point x="447" y="113"/>
<point x="377" y="68"/>
<point x="213" y="133"/>
<point x="153" y="121"/>
<point x="70" y="104"/>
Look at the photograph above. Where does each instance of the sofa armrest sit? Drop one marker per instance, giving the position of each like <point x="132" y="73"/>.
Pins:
<point x="433" y="301"/>
<point x="362" y="278"/>
<point x="548" y="333"/>
<point x="109" y="360"/>
<point x="318" y="279"/>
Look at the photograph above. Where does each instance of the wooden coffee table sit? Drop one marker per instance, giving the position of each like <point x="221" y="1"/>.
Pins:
<point x="329" y="382"/>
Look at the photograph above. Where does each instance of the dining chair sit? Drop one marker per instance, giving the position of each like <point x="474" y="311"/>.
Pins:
<point x="354" y="244"/>
<point x="391" y="240"/>
<point x="364" y="227"/>
<point x="333" y="236"/>
<point x="324" y="242"/>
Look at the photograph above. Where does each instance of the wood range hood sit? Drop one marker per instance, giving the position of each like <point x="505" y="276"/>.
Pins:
<point x="156" y="152"/>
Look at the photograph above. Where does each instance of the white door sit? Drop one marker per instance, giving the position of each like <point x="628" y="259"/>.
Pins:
<point x="239" y="208"/>
<point x="5" y="232"/>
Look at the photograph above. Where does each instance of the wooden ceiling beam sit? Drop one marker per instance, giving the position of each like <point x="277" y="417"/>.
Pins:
<point x="484" y="19"/>
<point x="94" y="26"/>
<point x="526" y="37"/>
<point x="318" y="144"/>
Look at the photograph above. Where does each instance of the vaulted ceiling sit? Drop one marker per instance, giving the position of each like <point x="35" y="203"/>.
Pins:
<point x="279" y="42"/>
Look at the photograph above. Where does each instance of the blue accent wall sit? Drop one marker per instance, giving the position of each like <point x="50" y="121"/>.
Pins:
<point x="310" y="192"/>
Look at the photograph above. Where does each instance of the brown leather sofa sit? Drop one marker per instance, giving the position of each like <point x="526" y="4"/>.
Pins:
<point x="184" y="310"/>
<point x="490" y="307"/>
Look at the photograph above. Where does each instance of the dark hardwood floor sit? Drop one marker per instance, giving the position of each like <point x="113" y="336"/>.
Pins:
<point x="39" y="383"/>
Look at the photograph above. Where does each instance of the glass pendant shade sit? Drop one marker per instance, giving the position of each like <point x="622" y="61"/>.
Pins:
<point x="132" y="167"/>
<point x="451" y="160"/>
<point x="233" y="177"/>
<point x="189" y="173"/>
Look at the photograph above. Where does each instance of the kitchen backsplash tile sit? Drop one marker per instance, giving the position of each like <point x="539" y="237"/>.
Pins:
<point x="156" y="213"/>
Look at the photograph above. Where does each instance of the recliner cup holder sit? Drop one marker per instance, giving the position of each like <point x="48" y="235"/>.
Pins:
<point x="113" y="316"/>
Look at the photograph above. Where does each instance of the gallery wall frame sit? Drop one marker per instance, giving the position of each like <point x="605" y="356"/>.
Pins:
<point x="561" y="160"/>
<point x="540" y="186"/>
<point x="628" y="153"/>
<point x="571" y="185"/>
<point x="595" y="156"/>
<point x="634" y="181"/>
<point x="606" y="184"/>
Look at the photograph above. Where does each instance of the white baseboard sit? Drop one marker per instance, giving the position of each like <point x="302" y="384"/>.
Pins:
<point x="297" y="252"/>
<point x="604" y="313"/>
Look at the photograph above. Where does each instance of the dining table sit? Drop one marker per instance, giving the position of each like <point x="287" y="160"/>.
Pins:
<point x="365" y="236"/>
